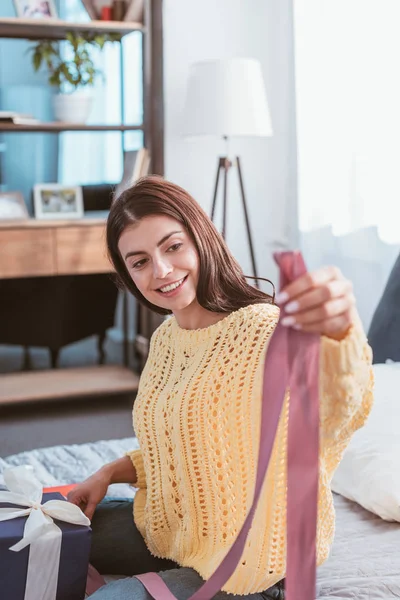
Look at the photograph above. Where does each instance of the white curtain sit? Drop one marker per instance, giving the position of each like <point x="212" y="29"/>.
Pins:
<point x="348" y="127"/>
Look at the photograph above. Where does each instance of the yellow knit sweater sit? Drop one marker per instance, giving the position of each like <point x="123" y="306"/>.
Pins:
<point x="197" y="418"/>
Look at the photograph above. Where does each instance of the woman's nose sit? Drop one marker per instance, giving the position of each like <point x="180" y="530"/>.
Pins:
<point x="161" y="269"/>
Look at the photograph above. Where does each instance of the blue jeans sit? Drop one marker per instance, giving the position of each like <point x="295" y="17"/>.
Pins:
<point x="118" y="548"/>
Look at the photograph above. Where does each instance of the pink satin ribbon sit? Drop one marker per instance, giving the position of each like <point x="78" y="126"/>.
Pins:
<point x="292" y="362"/>
<point x="94" y="581"/>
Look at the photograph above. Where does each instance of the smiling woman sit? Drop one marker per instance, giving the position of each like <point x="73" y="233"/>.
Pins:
<point x="197" y="412"/>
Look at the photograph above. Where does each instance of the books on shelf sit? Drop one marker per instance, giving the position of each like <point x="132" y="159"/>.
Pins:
<point x="136" y="165"/>
<point x="91" y="9"/>
<point x="135" y="11"/>
<point x="16" y="118"/>
<point x="142" y="164"/>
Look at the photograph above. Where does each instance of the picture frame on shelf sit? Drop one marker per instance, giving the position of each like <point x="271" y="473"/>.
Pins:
<point x="57" y="201"/>
<point x="12" y="206"/>
<point x="36" y="9"/>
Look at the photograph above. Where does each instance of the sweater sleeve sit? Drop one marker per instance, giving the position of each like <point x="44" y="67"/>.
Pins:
<point x="136" y="456"/>
<point x="137" y="460"/>
<point x="346" y="392"/>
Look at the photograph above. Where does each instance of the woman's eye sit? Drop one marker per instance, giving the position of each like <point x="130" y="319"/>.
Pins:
<point x="138" y="264"/>
<point x="175" y="247"/>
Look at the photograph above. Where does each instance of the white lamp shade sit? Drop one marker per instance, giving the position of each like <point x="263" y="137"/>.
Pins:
<point x="226" y="98"/>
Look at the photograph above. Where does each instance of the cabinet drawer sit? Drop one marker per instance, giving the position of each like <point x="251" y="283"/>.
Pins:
<point x="26" y="253"/>
<point x="81" y="250"/>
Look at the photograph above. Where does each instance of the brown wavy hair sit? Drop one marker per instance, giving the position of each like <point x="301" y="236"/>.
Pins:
<point x="222" y="285"/>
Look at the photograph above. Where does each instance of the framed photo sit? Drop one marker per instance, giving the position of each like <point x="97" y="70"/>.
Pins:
<point x="36" y="9"/>
<point x="12" y="206"/>
<point x="57" y="201"/>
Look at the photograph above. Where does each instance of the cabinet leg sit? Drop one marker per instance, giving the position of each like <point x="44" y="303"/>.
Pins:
<point x="100" y="347"/>
<point x="27" y="364"/>
<point x="54" y="354"/>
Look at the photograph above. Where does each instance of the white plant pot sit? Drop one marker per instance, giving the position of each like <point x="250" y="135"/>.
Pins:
<point x="72" y="108"/>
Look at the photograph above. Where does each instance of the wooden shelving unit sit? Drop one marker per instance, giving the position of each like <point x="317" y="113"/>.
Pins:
<point x="56" y="29"/>
<point x="58" y="127"/>
<point x="73" y="383"/>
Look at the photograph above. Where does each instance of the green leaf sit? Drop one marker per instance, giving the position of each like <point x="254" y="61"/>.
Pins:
<point x="54" y="79"/>
<point x="100" y="41"/>
<point x="37" y="60"/>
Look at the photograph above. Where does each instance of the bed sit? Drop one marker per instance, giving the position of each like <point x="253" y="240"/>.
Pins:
<point x="364" y="563"/>
<point x="365" y="558"/>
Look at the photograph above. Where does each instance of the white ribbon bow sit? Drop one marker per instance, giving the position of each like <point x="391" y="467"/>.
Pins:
<point x="40" y="531"/>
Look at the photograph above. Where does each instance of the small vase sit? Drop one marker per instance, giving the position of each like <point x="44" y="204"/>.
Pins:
<point x="72" y="108"/>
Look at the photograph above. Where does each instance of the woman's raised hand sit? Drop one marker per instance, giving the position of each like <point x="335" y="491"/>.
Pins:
<point x="319" y="302"/>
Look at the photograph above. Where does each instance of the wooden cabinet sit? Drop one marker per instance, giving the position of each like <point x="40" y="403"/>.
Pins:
<point x="81" y="250"/>
<point x="26" y="253"/>
<point x="34" y="248"/>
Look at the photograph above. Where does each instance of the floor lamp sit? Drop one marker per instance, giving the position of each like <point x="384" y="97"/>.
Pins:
<point x="227" y="98"/>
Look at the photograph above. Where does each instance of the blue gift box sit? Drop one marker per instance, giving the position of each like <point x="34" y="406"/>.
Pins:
<point x="74" y="559"/>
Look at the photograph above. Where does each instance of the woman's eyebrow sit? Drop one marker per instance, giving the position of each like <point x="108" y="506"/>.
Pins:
<point x="164" y="239"/>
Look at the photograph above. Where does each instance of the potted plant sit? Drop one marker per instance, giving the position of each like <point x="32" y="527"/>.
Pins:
<point x="71" y="70"/>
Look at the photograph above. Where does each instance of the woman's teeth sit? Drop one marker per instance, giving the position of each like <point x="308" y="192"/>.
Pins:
<point x="173" y="286"/>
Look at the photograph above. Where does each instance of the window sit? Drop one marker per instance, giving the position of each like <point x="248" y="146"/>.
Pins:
<point x="348" y="118"/>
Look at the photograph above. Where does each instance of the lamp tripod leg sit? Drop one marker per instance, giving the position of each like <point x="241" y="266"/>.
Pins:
<point x="215" y="190"/>
<point x="246" y="216"/>
<point x="226" y="168"/>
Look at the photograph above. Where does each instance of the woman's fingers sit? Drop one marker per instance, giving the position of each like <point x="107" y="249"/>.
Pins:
<point x="308" y="282"/>
<point x="90" y="509"/>
<point x="86" y="505"/>
<point x="320" y="295"/>
<point x="329" y="327"/>
<point x="325" y="311"/>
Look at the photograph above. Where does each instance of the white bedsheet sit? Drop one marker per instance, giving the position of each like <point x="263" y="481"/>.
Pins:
<point x="365" y="558"/>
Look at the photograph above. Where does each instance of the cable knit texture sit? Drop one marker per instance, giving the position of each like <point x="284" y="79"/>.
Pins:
<point x="197" y="418"/>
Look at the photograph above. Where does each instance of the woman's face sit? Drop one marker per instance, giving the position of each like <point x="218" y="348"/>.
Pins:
<point x="162" y="261"/>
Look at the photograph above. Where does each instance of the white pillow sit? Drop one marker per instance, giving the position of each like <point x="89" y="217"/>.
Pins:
<point x="369" y="472"/>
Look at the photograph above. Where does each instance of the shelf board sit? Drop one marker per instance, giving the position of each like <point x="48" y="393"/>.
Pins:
<point x="32" y="223"/>
<point x="58" y="127"/>
<point x="60" y="384"/>
<point x="56" y="29"/>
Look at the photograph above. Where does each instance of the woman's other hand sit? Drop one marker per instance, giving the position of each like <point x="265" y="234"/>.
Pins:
<point x="319" y="302"/>
<point x="90" y="492"/>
